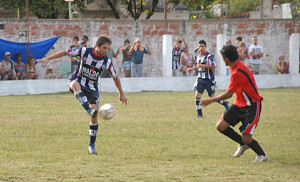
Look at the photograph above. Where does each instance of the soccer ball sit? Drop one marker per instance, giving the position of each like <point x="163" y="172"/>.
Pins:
<point x="107" y="111"/>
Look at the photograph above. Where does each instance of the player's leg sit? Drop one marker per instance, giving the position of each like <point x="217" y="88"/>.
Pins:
<point x="198" y="105"/>
<point x="81" y="97"/>
<point x="93" y="131"/>
<point x="248" y="128"/>
<point x="231" y="118"/>
<point x="199" y="91"/>
<point x="93" y="99"/>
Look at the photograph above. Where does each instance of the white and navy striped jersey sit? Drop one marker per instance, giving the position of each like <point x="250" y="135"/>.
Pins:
<point x="207" y="59"/>
<point x="90" y="67"/>
<point x="176" y="53"/>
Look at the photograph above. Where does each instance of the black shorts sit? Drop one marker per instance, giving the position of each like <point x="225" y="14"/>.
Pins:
<point x="249" y="116"/>
<point x="206" y="84"/>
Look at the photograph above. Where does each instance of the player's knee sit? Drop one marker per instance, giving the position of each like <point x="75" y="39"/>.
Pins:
<point x="246" y="140"/>
<point x="219" y="126"/>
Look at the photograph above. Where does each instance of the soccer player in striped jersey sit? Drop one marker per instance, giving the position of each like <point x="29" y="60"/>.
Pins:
<point x="206" y="76"/>
<point x="84" y="81"/>
<point x="246" y="107"/>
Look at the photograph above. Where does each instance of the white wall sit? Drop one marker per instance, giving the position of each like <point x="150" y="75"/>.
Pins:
<point x="178" y="84"/>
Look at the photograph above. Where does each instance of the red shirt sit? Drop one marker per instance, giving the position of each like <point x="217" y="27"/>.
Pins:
<point x="242" y="83"/>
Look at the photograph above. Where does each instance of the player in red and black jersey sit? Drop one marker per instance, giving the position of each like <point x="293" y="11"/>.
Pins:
<point x="246" y="107"/>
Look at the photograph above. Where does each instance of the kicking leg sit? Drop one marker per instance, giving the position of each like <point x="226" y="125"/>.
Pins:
<point x="81" y="97"/>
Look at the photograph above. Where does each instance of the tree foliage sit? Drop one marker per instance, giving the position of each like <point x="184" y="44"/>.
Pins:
<point x="137" y="7"/>
<point x="47" y="9"/>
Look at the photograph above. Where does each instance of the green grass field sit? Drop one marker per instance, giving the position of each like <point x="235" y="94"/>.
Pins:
<point x="45" y="138"/>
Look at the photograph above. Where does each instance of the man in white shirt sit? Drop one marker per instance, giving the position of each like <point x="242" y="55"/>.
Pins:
<point x="255" y="52"/>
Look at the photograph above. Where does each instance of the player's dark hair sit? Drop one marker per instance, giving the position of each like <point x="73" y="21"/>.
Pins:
<point x="202" y="42"/>
<point x="85" y="37"/>
<point x="17" y="55"/>
<point x="76" y="38"/>
<point x="229" y="52"/>
<point x="103" y="39"/>
<point x="239" y="39"/>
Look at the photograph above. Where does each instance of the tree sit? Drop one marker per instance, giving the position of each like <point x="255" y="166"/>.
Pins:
<point x="137" y="7"/>
<point x="47" y="9"/>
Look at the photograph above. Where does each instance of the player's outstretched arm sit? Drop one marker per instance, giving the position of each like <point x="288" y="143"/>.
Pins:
<point x="210" y="100"/>
<point x="122" y="97"/>
<point x="53" y="56"/>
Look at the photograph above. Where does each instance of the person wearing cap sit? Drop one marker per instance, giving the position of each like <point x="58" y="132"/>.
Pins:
<point x="138" y="52"/>
<point x="7" y="68"/>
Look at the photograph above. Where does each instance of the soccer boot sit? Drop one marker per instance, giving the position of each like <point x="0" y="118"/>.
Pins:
<point x="241" y="149"/>
<point x="92" y="149"/>
<point x="261" y="158"/>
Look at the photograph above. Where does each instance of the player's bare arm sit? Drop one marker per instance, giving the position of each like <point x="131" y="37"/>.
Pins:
<point x="210" y="100"/>
<point x="122" y="97"/>
<point x="53" y="56"/>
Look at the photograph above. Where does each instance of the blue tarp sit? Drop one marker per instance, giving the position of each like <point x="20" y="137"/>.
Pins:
<point x="37" y="49"/>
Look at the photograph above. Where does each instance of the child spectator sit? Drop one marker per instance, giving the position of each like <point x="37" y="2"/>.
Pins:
<point x="31" y="69"/>
<point x="19" y="67"/>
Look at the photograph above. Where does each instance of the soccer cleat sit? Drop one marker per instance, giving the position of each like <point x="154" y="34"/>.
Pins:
<point x="226" y="105"/>
<point x="198" y="117"/>
<point x="261" y="158"/>
<point x="240" y="151"/>
<point x="93" y="112"/>
<point x="92" y="149"/>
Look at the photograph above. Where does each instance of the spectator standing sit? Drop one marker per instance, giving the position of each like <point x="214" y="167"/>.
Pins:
<point x="19" y="67"/>
<point x="110" y="54"/>
<point x="83" y="42"/>
<point x="31" y="69"/>
<point x="255" y="53"/>
<point x="138" y="52"/>
<point x="176" y="55"/>
<point x="127" y="57"/>
<point x="7" y="68"/>
<point x="242" y="52"/>
<point x="282" y="67"/>
<point x="238" y="40"/>
<point x="74" y="59"/>
<point x="187" y="61"/>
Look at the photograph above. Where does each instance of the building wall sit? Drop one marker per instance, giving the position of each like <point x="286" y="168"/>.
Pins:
<point x="273" y="35"/>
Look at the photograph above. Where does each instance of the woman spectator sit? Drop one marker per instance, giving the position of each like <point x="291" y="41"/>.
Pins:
<point x="187" y="61"/>
<point x="242" y="52"/>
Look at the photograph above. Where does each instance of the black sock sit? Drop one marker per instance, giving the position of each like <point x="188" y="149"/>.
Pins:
<point x="198" y="107"/>
<point x="93" y="132"/>
<point x="229" y="132"/>
<point x="256" y="147"/>
<point x="81" y="97"/>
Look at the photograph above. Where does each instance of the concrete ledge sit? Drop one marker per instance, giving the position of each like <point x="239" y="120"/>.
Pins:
<point x="178" y="84"/>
